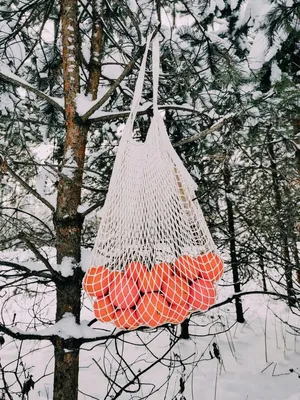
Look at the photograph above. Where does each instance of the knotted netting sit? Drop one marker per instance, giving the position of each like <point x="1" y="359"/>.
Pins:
<point x="154" y="260"/>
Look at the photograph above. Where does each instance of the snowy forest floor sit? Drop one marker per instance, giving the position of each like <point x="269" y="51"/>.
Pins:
<point x="261" y="359"/>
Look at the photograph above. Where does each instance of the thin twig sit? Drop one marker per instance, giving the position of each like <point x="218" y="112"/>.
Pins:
<point x="24" y="269"/>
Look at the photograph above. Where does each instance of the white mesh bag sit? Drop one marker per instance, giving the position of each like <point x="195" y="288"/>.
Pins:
<point x="154" y="260"/>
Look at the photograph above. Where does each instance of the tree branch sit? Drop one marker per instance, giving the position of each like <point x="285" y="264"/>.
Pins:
<point x="91" y="209"/>
<point x="108" y="116"/>
<point x="6" y="167"/>
<point x="117" y="82"/>
<point x="79" y="341"/>
<point x="8" y="76"/>
<point x="39" y="256"/>
<point x="28" y="271"/>
<point x="15" y="334"/>
<point x="240" y="294"/>
<point x="200" y="135"/>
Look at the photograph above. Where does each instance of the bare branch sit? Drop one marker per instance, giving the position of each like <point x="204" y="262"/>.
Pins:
<point x="8" y="76"/>
<point x="91" y="209"/>
<point x="24" y="269"/>
<point x="38" y="255"/>
<point x="240" y="294"/>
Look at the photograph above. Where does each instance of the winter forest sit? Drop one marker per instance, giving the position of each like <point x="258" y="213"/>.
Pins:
<point x="228" y="94"/>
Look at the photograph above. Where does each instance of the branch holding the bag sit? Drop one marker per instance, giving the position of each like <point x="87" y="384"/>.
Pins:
<point x="117" y="82"/>
<point x="145" y="109"/>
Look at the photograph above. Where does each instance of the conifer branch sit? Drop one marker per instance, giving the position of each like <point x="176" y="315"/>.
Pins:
<point x="6" y="167"/>
<point x="117" y="82"/>
<point x="202" y="134"/>
<point x="15" y="80"/>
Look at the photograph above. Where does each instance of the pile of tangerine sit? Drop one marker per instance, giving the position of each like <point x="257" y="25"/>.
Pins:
<point x="167" y="293"/>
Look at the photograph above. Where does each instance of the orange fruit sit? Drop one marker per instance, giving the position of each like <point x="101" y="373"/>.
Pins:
<point x="126" y="319"/>
<point x="187" y="267"/>
<point x="134" y="270"/>
<point x="178" y="313"/>
<point x="149" y="282"/>
<point x="123" y="291"/>
<point x="103" y="309"/>
<point x="115" y="275"/>
<point x="202" y="294"/>
<point x="152" y="310"/>
<point x="162" y="270"/>
<point x="175" y="289"/>
<point x="96" y="281"/>
<point x="211" y="266"/>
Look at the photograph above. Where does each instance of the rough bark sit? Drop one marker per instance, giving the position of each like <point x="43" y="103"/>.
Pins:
<point x="96" y="50"/>
<point x="233" y="256"/>
<point x="66" y="356"/>
<point x="68" y="222"/>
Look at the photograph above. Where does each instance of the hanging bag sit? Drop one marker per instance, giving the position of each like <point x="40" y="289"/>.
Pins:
<point x="154" y="260"/>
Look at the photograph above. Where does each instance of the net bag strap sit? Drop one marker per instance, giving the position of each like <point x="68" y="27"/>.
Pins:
<point x="128" y="129"/>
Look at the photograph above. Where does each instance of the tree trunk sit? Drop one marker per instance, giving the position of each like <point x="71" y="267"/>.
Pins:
<point x="281" y="225"/>
<point x="68" y="222"/>
<point x="233" y="256"/>
<point x="66" y="359"/>
<point x="296" y="257"/>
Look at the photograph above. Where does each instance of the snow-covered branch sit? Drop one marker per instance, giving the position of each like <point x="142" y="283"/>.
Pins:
<point x="110" y="91"/>
<point x="15" y="80"/>
<point x="27" y="271"/>
<point x="202" y="134"/>
<point x="66" y="328"/>
<point x="7" y="168"/>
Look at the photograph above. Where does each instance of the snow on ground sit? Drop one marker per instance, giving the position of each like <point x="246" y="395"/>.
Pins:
<point x="257" y="357"/>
